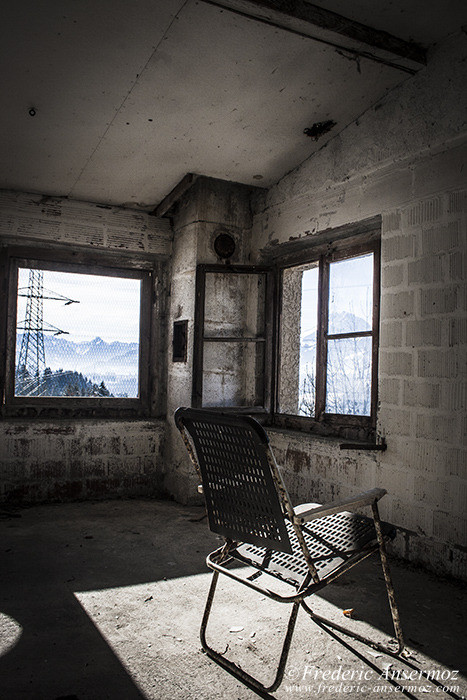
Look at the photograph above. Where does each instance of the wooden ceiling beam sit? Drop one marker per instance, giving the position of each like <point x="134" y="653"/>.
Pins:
<point x="303" y="18"/>
<point x="164" y="207"/>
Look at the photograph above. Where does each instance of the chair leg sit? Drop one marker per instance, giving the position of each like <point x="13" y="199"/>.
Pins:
<point x="233" y="668"/>
<point x="388" y="579"/>
<point x="391" y="597"/>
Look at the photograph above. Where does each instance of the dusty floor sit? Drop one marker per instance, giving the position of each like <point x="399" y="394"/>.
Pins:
<point x="104" y="600"/>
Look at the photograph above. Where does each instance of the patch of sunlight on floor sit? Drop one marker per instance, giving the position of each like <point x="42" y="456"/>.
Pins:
<point x="10" y="633"/>
<point x="153" y="628"/>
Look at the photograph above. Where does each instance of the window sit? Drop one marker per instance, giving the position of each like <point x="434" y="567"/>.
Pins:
<point x="232" y="350"/>
<point x="328" y="340"/>
<point x="78" y="336"/>
<point x="296" y="341"/>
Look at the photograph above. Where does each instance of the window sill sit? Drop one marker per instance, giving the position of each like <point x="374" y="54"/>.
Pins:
<point x="347" y="429"/>
<point x="336" y="442"/>
<point x="365" y="446"/>
<point x="76" y="410"/>
<point x="65" y="425"/>
<point x="307" y="435"/>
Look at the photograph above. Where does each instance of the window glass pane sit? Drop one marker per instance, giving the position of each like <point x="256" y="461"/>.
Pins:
<point x="77" y="335"/>
<point x="233" y="374"/>
<point x="234" y="305"/>
<point x="351" y="295"/>
<point x="299" y="321"/>
<point x="348" y="387"/>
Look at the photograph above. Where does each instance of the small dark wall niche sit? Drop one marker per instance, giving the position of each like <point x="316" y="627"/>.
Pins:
<point x="180" y="341"/>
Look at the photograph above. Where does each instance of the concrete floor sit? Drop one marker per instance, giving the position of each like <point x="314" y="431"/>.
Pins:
<point x="104" y="600"/>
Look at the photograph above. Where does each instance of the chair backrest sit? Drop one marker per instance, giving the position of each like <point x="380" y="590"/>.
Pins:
<point x="233" y="458"/>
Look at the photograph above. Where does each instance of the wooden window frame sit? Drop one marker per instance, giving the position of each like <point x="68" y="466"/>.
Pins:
<point x="351" y="427"/>
<point x="200" y="338"/>
<point x="83" y="262"/>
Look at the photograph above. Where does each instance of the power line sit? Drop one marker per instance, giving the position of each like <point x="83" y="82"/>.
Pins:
<point x="31" y="363"/>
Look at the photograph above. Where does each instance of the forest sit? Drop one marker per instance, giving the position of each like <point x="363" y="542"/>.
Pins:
<point x="59" y="383"/>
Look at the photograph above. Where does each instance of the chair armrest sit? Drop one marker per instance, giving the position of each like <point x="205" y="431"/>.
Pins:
<point x="354" y="502"/>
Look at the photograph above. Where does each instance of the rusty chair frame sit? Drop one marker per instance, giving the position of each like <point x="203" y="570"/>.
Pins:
<point x="306" y="547"/>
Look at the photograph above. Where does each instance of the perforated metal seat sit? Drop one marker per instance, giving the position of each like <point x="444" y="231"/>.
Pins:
<point x="247" y="503"/>
<point x="332" y="541"/>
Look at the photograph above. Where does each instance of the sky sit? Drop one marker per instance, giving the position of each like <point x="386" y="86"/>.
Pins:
<point x="108" y="307"/>
<point x="350" y="290"/>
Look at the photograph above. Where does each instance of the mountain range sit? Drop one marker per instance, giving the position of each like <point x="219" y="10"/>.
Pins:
<point x="115" y="363"/>
<point x="342" y="322"/>
<point x="86" y="353"/>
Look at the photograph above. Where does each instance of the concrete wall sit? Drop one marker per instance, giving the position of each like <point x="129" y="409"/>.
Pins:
<point x="30" y="219"/>
<point x="64" y="460"/>
<point x="403" y="160"/>
<point x="209" y="207"/>
<point x="289" y="345"/>
<point x="406" y="160"/>
<point x="67" y="459"/>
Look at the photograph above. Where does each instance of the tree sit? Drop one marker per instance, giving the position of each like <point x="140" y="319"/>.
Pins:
<point x="307" y="394"/>
<point x="348" y="381"/>
<point x="103" y="391"/>
<point x="72" y="390"/>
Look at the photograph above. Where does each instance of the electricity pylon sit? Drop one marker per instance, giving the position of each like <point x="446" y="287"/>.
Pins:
<point x="31" y="362"/>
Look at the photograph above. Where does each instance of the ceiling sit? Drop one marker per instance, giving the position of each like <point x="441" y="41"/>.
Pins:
<point x="115" y="101"/>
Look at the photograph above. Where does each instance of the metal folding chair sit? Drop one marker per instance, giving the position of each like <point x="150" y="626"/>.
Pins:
<point x="305" y="548"/>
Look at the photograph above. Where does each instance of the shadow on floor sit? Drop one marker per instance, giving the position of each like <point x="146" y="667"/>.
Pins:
<point x="433" y="610"/>
<point x="48" y="553"/>
<point x="104" y="600"/>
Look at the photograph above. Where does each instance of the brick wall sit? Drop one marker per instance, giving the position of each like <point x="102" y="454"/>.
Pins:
<point x="405" y="161"/>
<point x="54" y="460"/>
<point x="79" y="459"/>
<point x="41" y="220"/>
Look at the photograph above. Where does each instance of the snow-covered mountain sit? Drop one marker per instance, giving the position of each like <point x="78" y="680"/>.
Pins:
<point x="87" y="354"/>
<point x="115" y="363"/>
<point x="341" y="322"/>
